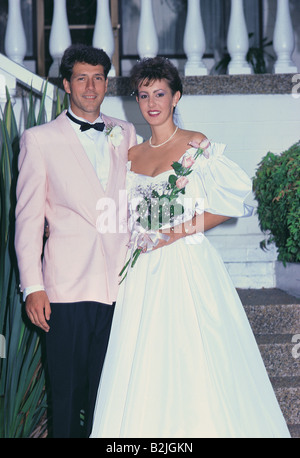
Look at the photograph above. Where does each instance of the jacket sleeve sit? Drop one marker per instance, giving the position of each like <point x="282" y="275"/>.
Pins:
<point x="30" y="210"/>
<point x="132" y="139"/>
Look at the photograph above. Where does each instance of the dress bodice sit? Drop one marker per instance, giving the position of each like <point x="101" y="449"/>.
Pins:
<point x="216" y="185"/>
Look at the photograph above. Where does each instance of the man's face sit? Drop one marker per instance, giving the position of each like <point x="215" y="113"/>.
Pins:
<point x="87" y="89"/>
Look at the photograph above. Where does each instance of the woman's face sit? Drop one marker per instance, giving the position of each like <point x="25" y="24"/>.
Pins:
<point x="157" y="102"/>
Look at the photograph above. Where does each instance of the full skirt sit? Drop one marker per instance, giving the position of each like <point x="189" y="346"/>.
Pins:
<point x="182" y="360"/>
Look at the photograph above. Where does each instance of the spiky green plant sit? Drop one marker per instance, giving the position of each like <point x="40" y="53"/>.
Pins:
<point x="23" y="400"/>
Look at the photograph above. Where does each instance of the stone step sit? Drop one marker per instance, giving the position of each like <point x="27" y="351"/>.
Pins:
<point x="271" y="311"/>
<point x="284" y="372"/>
<point x="289" y="400"/>
<point x="275" y="320"/>
<point x="280" y="360"/>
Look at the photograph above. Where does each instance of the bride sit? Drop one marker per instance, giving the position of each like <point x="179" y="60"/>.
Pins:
<point x="182" y="360"/>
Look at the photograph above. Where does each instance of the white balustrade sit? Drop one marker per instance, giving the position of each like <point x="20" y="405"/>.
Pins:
<point x="15" y="40"/>
<point x="147" y="40"/>
<point x="194" y="40"/>
<point x="103" y="37"/>
<point x="60" y="37"/>
<point x="237" y="40"/>
<point x="284" y="40"/>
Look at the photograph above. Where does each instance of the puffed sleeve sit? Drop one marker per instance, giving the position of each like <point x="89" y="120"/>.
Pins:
<point x="219" y="185"/>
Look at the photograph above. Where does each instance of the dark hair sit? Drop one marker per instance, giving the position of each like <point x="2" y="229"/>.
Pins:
<point x="84" y="54"/>
<point x="150" y="69"/>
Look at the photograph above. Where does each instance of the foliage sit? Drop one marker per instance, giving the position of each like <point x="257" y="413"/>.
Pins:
<point x="256" y="57"/>
<point x="23" y="400"/>
<point x="277" y="190"/>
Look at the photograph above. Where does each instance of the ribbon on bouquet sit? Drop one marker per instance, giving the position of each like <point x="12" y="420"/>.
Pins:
<point x="141" y="241"/>
<point x="145" y="239"/>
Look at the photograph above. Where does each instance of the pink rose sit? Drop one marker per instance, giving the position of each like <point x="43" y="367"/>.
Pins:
<point x="205" y="143"/>
<point x="182" y="182"/>
<point x="194" y="144"/>
<point x="188" y="162"/>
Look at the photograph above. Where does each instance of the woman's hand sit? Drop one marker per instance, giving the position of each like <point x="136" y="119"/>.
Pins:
<point x="203" y="143"/>
<point x="199" y="223"/>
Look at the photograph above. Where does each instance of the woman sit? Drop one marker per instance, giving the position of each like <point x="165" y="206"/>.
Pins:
<point x="182" y="360"/>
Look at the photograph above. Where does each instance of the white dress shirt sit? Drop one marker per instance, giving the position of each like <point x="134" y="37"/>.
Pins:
<point x="96" y="148"/>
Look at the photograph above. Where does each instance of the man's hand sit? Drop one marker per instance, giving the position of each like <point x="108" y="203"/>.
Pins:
<point x="38" y="309"/>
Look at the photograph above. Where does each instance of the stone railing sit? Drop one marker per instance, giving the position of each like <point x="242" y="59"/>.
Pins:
<point x="147" y="40"/>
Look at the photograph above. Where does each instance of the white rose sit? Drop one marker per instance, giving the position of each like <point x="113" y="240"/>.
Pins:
<point x="116" y="135"/>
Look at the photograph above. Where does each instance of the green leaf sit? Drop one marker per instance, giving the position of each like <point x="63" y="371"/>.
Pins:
<point x="172" y="180"/>
<point x="277" y="191"/>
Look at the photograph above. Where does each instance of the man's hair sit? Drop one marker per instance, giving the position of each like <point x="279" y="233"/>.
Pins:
<point x="83" y="54"/>
<point x="152" y="69"/>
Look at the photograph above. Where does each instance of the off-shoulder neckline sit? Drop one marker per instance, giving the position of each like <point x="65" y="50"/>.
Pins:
<point x="161" y="173"/>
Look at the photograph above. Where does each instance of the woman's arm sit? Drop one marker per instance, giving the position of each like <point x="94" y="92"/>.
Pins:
<point x="199" y="223"/>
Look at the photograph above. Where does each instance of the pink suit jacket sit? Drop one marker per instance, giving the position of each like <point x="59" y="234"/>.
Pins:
<point x="57" y="182"/>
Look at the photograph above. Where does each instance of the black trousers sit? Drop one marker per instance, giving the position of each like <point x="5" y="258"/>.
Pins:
<point x="75" y="349"/>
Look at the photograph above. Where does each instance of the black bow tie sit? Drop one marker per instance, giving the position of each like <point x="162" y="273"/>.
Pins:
<point x="86" y="125"/>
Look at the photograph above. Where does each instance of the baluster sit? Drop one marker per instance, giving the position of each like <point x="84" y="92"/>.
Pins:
<point x="2" y="88"/>
<point x="103" y="37"/>
<point x="194" y="40"/>
<point x="284" y="40"/>
<point x="147" y="41"/>
<point x="15" y="39"/>
<point x="60" y="37"/>
<point x="237" y="40"/>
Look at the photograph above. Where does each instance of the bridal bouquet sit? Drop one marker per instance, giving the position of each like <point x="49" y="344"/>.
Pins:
<point x="159" y="206"/>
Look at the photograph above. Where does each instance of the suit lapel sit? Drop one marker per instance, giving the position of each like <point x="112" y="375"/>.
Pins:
<point x="115" y="162"/>
<point x="76" y="149"/>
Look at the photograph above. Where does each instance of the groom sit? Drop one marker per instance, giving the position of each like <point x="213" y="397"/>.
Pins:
<point x="65" y="167"/>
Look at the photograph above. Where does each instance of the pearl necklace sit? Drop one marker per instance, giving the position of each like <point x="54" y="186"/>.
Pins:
<point x="157" y="146"/>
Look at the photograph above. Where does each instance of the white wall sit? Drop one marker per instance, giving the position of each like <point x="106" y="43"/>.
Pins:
<point x="251" y="126"/>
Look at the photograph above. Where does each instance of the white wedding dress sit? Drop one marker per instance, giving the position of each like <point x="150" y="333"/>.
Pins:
<point x="182" y="360"/>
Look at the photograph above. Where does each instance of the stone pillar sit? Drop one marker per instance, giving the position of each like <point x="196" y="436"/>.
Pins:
<point x="147" y="41"/>
<point x="194" y="40"/>
<point x="237" y="40"/>
<point x="103" y="34"/>
<point x="15" y="40"/>
<point x="284" y="40"/>
<point x="60" y="37"/>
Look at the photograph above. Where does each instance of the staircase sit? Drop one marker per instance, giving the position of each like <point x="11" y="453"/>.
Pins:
<point x="275" y="318"/>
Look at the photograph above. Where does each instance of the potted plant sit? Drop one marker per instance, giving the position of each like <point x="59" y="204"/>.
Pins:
<point x="277" y="190"/>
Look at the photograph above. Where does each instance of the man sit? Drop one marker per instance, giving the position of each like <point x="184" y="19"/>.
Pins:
<point x="65" y="168"/>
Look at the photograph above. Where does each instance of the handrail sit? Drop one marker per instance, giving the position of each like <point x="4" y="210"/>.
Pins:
<point x="11" y="72"/>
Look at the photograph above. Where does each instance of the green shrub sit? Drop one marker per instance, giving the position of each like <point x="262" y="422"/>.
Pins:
<point x="277" y="190"/>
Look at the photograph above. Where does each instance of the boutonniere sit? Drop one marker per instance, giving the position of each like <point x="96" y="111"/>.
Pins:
<point x="114" y="134"/>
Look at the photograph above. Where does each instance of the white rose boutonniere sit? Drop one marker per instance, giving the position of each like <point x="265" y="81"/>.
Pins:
<point x="114" y="134"/>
